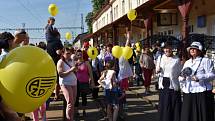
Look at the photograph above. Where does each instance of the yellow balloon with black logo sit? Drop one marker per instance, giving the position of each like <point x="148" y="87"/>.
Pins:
<point x="53" y="9"/>
<point x="117" y="51"/>
<point x="127" y="52"/>
<point x="92" y="52"/>
<point x="132" y="14"/>
<point x="28" y="77"/>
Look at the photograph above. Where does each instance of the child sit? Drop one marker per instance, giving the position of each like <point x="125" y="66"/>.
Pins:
<point x="109" y="82"/>
<point x="42" y="110"/>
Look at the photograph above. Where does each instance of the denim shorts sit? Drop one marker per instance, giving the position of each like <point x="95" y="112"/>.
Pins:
<point x="111" y="97"/>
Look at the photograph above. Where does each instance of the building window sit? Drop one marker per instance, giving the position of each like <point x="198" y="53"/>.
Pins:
<point x="100" y="23"/>
<point x="103" y="21"/>
<point x="138" y="2"/>
<point x="116" y="11"/>
<point x="201" y="21"/>
<point x="107" y="19"/>
<point x="167" y="19"/>
<point x="123" y="7"/>
<point x="130" y="4"/>
<point x="111" y="15"/>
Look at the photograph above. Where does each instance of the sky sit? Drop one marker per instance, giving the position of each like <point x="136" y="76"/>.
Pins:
<point x="34" y="14"/>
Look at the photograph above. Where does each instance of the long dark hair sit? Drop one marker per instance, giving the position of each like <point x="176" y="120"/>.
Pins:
<point x="4" y="40"/>
<point x="109" y="64"/>
<point x="63" y="51"/>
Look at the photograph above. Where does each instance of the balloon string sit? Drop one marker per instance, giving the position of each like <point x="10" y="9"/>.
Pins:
<point x="130" y="33"/>
<point x="131" y="26"/>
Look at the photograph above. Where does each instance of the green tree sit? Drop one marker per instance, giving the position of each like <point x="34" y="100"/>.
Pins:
<point x="89" y="21"/>
<point x="97" y="5"/>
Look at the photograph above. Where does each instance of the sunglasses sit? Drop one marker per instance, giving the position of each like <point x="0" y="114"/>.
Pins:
<point x="68" y="53"/>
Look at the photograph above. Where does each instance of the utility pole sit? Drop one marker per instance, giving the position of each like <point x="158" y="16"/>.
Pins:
<point x="23" y="25"/>
<point x="82" y="23"/>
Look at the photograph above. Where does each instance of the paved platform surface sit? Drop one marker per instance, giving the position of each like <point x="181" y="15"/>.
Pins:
<point x="140" y="107"/>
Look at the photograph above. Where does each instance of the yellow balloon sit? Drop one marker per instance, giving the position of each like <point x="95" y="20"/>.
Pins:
<point x="92" y="52"/>
<point x="137" y="44"/>
<point x="68" y="36"/>
<point x="138" y="49"/>
<point x="117" y="51"/>
<point x="53" y="9"/>
<point x="28" y="76"/>
<point x="127" y="52"/>
<point x="132" y="14"/>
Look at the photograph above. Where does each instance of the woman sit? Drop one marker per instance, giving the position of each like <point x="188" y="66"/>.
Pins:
<point x="108" y="54"/>
<point x="169" y="67"/>
<point x="124" y="73"/>
<point x="195" y="80"/>
<point x="68" y="81"/>
<point x="147" y="65"/>
<point x="85" y="80"/>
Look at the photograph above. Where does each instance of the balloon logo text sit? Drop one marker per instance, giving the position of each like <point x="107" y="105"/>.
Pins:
<point x="39" y="86"/>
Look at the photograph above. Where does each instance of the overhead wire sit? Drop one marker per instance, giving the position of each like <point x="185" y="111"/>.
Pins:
<point x="32" y="14"/>
<point x="29" y="11"/>
<point x="6" y="21"/>
<point x="30" y="4"/>
<point x="73" y="16"/>
<point x="77" y="12"/>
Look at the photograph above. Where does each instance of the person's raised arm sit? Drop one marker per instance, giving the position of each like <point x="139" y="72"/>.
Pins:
<point x="128" y="37"/>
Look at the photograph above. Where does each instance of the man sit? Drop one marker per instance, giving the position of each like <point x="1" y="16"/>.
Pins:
<point x="21" y="38"/>
<point x="54" y="46"/>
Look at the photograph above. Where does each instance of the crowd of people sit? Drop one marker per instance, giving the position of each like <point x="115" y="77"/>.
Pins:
<point x="79" y="76"/>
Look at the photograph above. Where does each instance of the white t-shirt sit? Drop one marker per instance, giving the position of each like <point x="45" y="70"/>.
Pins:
<point x="125" y="70"/>
<point x="70" y="79"/>
<point x="107" y="80"/>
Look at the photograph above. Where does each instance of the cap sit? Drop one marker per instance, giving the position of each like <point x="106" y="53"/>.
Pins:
<point x="196" y="45"/>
